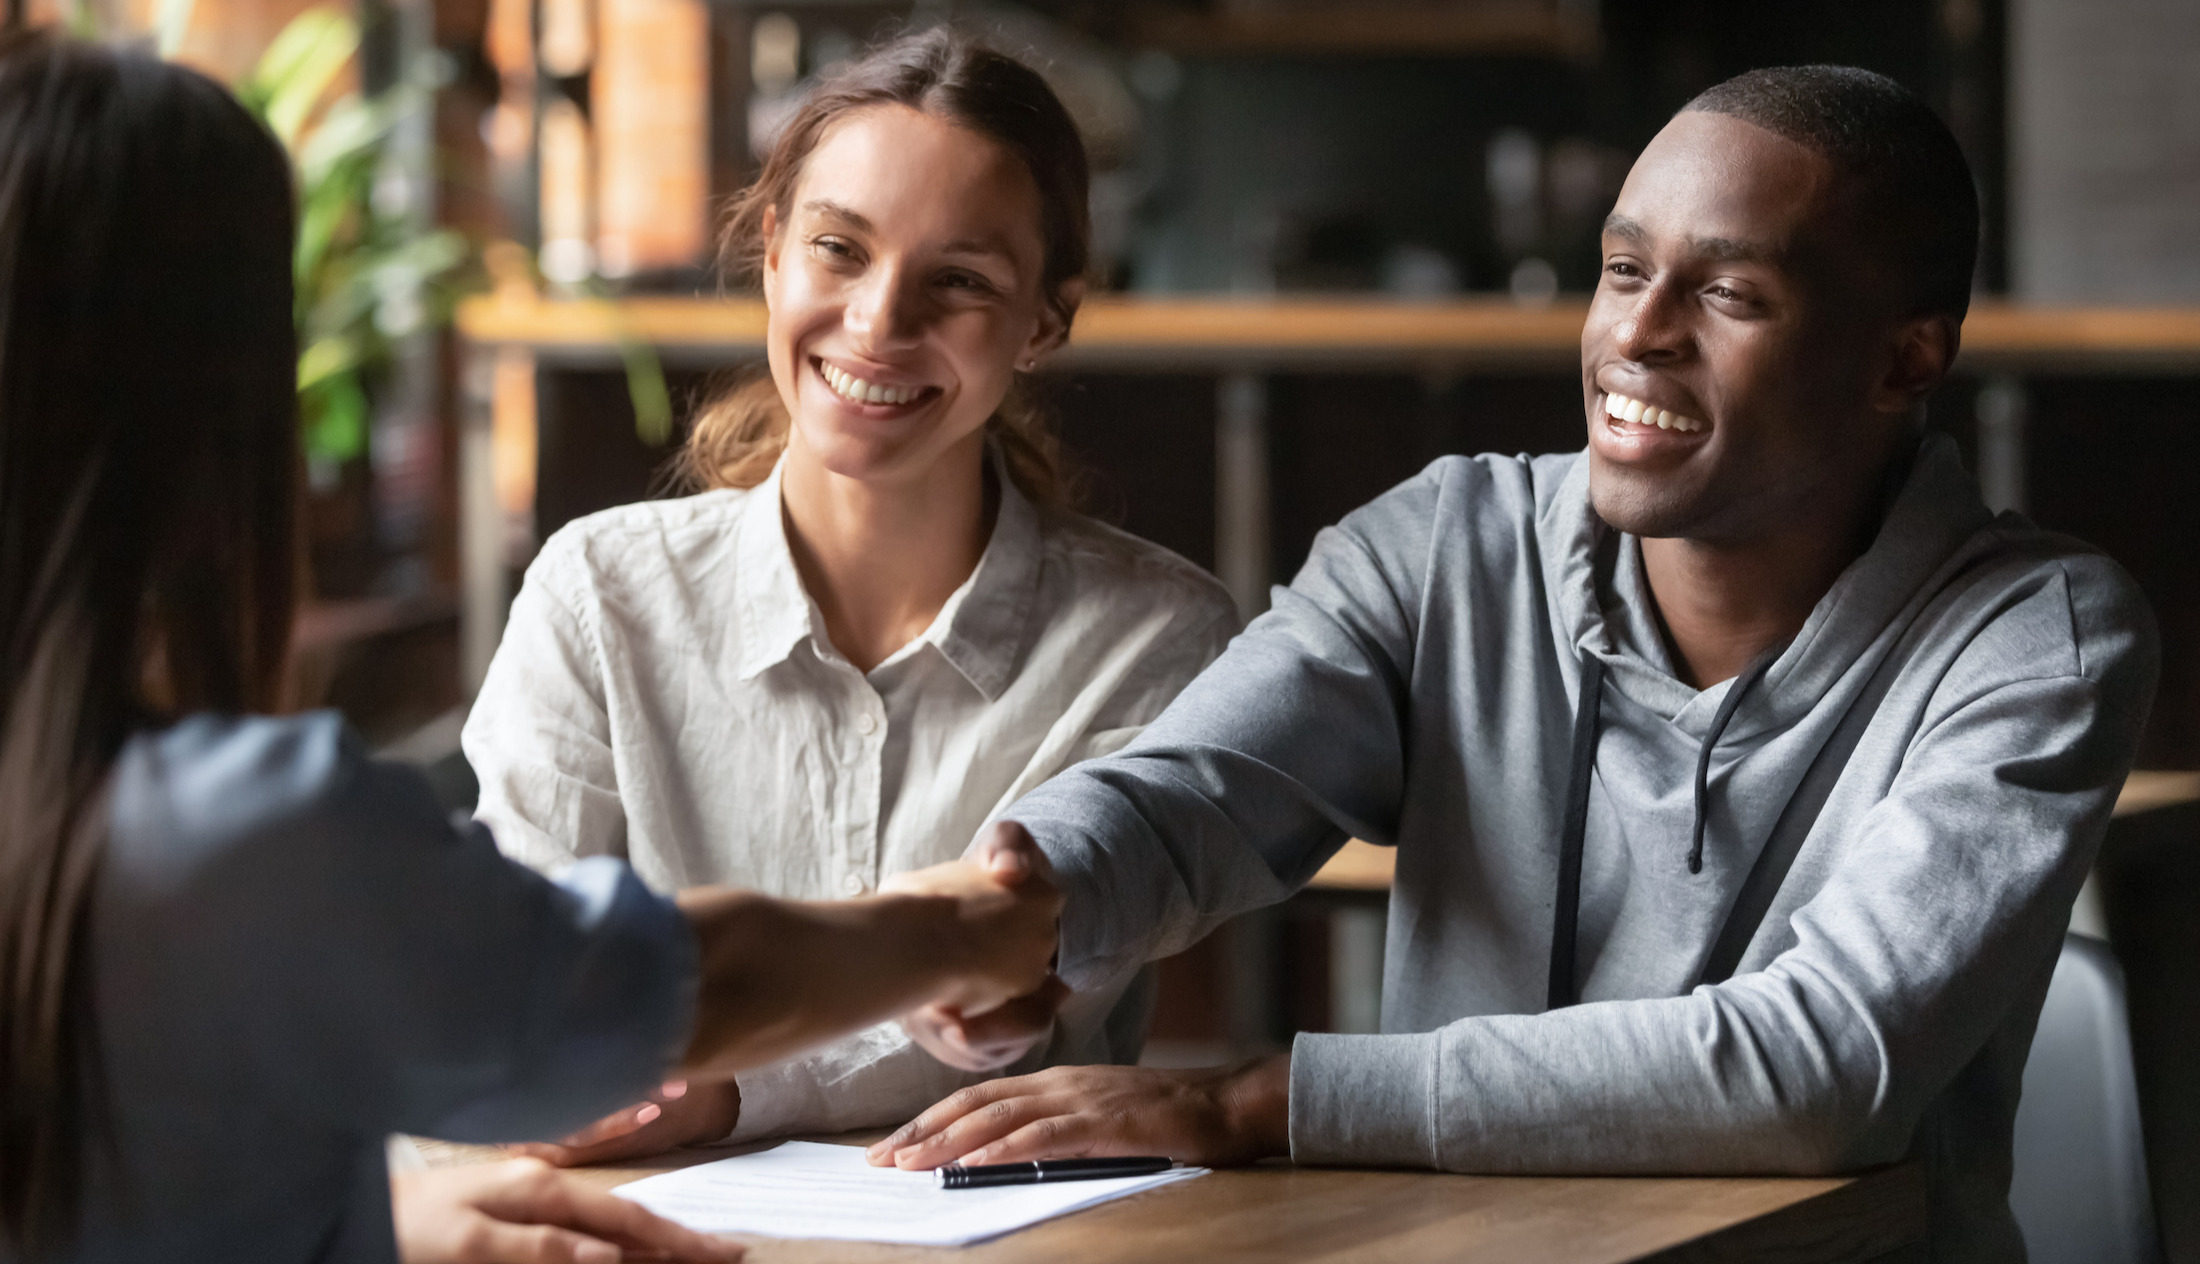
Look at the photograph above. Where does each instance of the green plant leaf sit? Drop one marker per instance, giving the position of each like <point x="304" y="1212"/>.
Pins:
<point x="645" y="386"/>
<point x="323" y="358"/>
<point x="330" y="212"/>
<point x="362" y="276"/>
<point x="299" y="66"/>
<point x="83" y="21"/>
<point x="334" y="414"/>
<point x="352" y="129"/>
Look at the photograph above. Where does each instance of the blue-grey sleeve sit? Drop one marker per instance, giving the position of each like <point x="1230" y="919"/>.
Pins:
<point x="360" y="960"/>
<point x="1239" y="792"/>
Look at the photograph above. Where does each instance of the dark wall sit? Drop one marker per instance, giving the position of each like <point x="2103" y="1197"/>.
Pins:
<point x="2114" y="462"/>
<point x="1304" y="172"/>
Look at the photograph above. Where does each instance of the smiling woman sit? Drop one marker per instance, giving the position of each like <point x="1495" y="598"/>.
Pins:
<point x="877" y="623"/>
<point x="970" y="105"/>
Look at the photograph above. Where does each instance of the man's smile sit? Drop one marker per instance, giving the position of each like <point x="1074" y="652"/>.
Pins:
<point x="1624" y="410"/>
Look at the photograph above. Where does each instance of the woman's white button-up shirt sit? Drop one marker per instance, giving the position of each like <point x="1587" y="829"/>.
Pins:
<point x="666" y="692"/>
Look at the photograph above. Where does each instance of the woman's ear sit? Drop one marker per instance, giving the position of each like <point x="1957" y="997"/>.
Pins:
<point x="769" y="227"/>
<point x="1054" y="319"/>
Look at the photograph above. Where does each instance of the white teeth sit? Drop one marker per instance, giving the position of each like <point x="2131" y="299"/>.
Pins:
<point x="1621" y="408"/>
<point x="857" y="391"/>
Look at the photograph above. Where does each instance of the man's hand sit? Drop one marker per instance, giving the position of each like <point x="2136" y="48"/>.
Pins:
<point x="525" y="1212"/>
<point x="988" y="1041"/>
<point x="1009" y="912"/>
<point x="679" y="1114"/>
<point x="777" y="976"/>
<point x="1217" y="1116"/>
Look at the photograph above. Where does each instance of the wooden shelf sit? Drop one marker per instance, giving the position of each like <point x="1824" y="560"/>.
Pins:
<point x="1495" y="27"/>
<point x="1283" y="333"/>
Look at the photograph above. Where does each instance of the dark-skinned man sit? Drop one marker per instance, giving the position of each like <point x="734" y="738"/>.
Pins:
<point x="1742" y="769"/>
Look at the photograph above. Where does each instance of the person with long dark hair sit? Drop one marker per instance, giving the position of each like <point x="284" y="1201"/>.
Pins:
<point x="879" y="621"/>
<point x="236" y="952"/>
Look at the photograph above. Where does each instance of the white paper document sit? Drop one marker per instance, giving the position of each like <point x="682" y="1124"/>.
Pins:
<point x="801" y="1189"/>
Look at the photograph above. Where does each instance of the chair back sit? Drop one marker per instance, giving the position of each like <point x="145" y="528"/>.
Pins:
<point x="2079" y="1190"/>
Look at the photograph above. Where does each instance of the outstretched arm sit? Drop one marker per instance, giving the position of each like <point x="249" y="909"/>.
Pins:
<point x="779" y="975"/>
<point x="681" y="1113"/>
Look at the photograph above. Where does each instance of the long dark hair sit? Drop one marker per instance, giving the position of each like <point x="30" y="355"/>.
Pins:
<point x="737" y="437"/>
<point x="148" y="459"/>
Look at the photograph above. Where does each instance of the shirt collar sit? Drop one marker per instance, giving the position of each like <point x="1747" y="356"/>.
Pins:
<point x="980" y="630"/>
<point x="774" y="610"/>
<point x="983" y="631"/>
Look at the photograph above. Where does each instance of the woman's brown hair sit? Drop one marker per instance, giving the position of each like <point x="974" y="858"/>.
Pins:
<point x="738" y="436"/>
<point x="148" y="457"/>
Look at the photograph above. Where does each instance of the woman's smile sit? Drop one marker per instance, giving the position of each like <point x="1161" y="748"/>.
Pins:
<point x="872" y="393"/>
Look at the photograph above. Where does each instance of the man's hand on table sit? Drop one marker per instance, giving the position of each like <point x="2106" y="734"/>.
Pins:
<point x="1215" y="1116"/>
<point x="680" y="1114"/>
<point x="525" y="1212"/>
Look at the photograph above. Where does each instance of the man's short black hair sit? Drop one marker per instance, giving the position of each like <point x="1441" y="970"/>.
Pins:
<point x="1917" y="183"/>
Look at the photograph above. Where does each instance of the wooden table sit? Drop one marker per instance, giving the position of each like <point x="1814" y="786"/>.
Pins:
<point x="1284" y="1213"/>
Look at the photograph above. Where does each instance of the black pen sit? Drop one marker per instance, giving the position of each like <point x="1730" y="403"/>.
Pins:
<point x="956" y="1176"/>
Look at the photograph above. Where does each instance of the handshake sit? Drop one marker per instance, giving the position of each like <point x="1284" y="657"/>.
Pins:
<point x="986" y="1031"/>
<point x="962" y="953"/>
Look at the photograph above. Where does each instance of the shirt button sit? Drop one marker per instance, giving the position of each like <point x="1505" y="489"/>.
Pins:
<point x="866" y="724"/>
<point x="852" y="884"/>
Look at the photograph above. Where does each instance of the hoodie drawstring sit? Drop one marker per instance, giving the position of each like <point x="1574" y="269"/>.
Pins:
<point x="1742" y="684"/>
<point x="1574" y="832"/>
<point x="1571" y="835"/>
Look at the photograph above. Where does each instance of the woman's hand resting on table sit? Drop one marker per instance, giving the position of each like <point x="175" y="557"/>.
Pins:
<point x="1215" y="1116"/>
<point x="679" y="1114"/>
<point x="524" y="1212"/>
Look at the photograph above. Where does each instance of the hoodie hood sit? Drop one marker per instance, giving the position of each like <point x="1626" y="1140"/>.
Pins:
<point x="1603" y="597"/>
<point x="1694" y="781"/>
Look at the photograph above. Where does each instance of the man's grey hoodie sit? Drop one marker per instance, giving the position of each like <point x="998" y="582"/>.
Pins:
<point x="1970" y="693"/>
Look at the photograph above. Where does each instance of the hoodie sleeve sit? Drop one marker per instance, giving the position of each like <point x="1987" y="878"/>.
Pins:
<point x="1941" y="916"/>
<point x="1229" y="800"/>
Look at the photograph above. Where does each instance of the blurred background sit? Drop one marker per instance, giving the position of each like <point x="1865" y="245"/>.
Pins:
<point x="1337" y="240"/>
